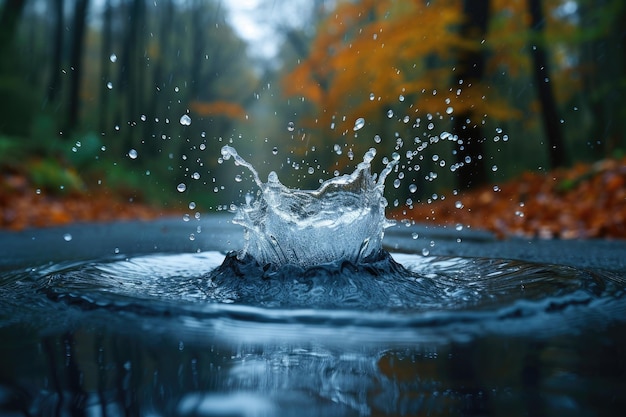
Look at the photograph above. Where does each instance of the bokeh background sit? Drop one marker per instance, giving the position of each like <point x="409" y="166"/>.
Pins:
<point x="133" y="99"/>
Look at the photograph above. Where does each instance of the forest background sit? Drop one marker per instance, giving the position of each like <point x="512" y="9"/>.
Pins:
<point x="133" y="99"/>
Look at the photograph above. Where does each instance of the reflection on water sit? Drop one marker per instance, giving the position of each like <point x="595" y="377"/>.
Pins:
<point x="161" y="335"/>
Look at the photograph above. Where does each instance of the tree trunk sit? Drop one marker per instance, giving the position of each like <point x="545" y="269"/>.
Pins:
<point x="469" y="71"/>
<point x="128" y="71"/>
<point x="156" y="103"/>
<point x="9" y="18"/>
<point x="551" y="120"/>
<point x="105" y="65"/>
<point x="604" y="85"/>
<point x="76" y="56"/>
<point x="55" y="84"/>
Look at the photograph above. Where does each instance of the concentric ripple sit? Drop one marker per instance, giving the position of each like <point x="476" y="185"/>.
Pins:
<point x="419" y="292"/>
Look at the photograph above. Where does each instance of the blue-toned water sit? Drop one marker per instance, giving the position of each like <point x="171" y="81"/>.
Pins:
<point x="267" y="327"/>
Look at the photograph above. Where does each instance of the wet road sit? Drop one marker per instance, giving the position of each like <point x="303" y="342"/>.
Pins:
<point x="216" y="232"/>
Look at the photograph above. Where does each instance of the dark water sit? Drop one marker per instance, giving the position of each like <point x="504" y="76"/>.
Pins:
<point x="178" y="334"/>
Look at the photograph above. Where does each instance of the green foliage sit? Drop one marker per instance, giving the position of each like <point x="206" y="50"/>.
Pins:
<point x="11" y="150"/>
<point x="51" y="175"/>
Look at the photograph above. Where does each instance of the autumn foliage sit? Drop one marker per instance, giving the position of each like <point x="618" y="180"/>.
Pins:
<point x="586" y="201"/>
<point x="23" y="206"/>
<point x="368" y="55"/>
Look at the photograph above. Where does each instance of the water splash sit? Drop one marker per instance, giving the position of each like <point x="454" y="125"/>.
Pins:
<point x="344" y="219"/>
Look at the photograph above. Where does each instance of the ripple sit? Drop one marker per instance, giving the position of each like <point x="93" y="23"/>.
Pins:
<point x="454" y="297"/>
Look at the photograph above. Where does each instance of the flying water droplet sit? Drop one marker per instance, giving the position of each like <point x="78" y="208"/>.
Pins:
<point x="185" y="120"/>
<point x="358" y="124"/>
<point x="132" y="154"/>
<point x="110" y="85"/>
<point x="275" y="150"/>
<point x="113" y="58"/>
<point x="67" y="237"/>
<point x="181" y="187"/>
<point x="291" y="126"/>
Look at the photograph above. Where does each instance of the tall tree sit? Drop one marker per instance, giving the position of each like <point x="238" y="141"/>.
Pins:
<point x="76" y="62"/>
<point x="54" y="85"/>
<point x="105" y="64"/>
<point x="541" y="74"/>
<point x="9" y="18"/>
<point x="469" y="72"/>
<point x="604" y="75"/>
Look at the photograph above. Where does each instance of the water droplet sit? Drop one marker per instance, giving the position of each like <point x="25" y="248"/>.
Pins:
<point x="496" y="188"/>
<point x="67" y="237"/>
<point x="192" y="205"/>
<point x="372" y="96"/>
<point x="181" y="187"/>
<point x="425" y="252"/>
<point x="449" y="110"/>
<point x="238" y="178"/>
<point x="390" y="113"/>
<point x="186" y="217"/>
<point x="113" y="58"/>
<point x="458" y="205"/>
<point x="494" y="168"/>
<point x="415" y="235"/>
<point x="132" y="154"/>
<point x="377" y="138"/>
<point x="311" y="170"/>
<point x="110" y="85"/>
<point x="195" y="175"/>
<point x="396" y="183"/>
<point x="185" y="120"/>
<point x="412" y="188"/>
<point x="358" y="124"/>
<point x="400" y="97"/>
<point x="275" y="150"/>
<point x="291" y="126"/>
<point x="192" y="236"/>
<point x="459" y="227"/>
<point x="337" y="149"/>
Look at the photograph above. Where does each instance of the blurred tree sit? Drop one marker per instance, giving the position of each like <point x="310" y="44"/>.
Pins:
<point x="76" y="63"/>
<point x="372" y="58"/>
<point x="54" y="86"/>
<point x="469" y="72"/>
<point x="541" y="72"/>
<point x="9" y="19"/>
<point x="603" y="71"/>
<point x="105" y="67"/>
<point x="16" y="102"/>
